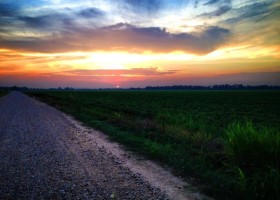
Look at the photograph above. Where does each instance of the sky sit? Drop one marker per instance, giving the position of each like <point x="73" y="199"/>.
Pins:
<point x="138" y="43"/>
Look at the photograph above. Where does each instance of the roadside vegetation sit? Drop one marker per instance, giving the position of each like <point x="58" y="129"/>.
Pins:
<point x="3" y="92"/>
<point x="229" y="141"/>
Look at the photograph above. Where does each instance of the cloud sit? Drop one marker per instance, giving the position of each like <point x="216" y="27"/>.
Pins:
<point x="4" y="23"/>
<point x="212" y="2"/>
<point x="222" y="7"/>
<point x="16" y="8"/>
<point x="37" y="22"/>
<point x="16" y="20"/>
<point x="153" y="71"/>
<point x="253" y="11"/>
<point x="45" y="21"/>
<point x="8" y="15"/>
<point x="125" y="37"/>
<point x="153" y="7"/>
<point x="149" y="6"/>
<point x="8" y="10"/>
<point x="49" y="23"/>
<point x="220" y="11"/>
<point x="91" y="13"/>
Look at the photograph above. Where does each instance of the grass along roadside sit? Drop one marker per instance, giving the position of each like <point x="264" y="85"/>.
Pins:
<point x="3" y="93"/>
<point x="201" y="141"/>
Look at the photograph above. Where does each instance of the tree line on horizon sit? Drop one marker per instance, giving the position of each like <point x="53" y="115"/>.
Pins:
<point x="173" y="87"/>
<point x="214" y="87"/>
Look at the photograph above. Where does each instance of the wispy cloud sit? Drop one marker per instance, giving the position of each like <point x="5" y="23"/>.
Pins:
<point x="253" y="11"/>
<point x="220" y="11"/>
<point x="153" y="71"/>
<point x="211" y="2"/>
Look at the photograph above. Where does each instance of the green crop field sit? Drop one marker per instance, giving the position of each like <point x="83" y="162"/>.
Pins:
<point x="228" y="141"/>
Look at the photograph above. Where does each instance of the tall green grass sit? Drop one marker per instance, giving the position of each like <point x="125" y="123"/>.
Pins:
<point x="254" y="154"/>
<point x="250" y="148"/>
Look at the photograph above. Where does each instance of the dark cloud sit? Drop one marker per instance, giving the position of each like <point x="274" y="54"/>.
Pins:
<point x="36" y="45"/>
<point x="91" y="13"/>
<point x="275" y="13"/>
<point x="50" y="22"/>
<point x="37" y="22"/>
<point x="255" y="9"/>
<point x="54" y="21"/>
<point x="195" y="3"/>
<point x="212" y="2"/>
<point x="8" y="10"/>
<point x="12" y="15"/>
<point x="220" y="11"/>
<point x="127" y="38"/>
<point x="4" y="23"/>
<point x="8" y="15"/>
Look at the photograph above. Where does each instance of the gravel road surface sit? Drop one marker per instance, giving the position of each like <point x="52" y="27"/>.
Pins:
<point x="46" y="155"/>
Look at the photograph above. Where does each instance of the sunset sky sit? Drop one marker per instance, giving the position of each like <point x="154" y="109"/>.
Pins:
<point x="138" y="43"/>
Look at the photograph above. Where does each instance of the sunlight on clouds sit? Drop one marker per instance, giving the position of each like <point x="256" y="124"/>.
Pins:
<point x="178" y="23"/>
<point x="133" y="66"/>
<point x="243" y="52"/>
<point x="124" y="60"/>
<point x="5" y="50"/>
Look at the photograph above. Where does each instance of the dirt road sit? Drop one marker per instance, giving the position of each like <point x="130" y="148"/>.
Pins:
<point x="45" y="154"/>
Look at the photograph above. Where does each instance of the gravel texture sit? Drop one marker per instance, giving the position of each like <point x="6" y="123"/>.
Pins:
<point x="46" y="155"/>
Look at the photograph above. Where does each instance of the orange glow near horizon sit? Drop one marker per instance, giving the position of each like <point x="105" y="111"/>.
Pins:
<point x="116" y="67"/>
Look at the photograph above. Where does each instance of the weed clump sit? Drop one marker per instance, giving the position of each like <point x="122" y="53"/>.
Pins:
<point x="254" y="155"/>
